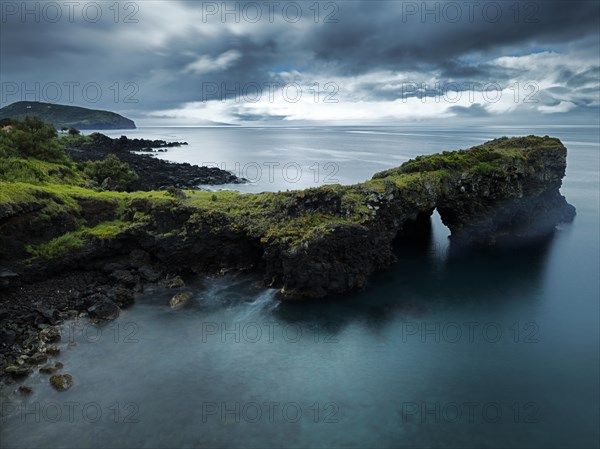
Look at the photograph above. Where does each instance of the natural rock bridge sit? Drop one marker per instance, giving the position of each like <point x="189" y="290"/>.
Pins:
<point x="307" y="243"/>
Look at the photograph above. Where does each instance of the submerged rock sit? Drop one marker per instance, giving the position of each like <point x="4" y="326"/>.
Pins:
<point x="26" y="390"/>
<point x="18" y="370"/>
<point x="53" y="350"/>
<point x="61" y="382"/>
<point x="48" y="369"/>
<point x="179" y="299"/>
<point x="37" y="359"/>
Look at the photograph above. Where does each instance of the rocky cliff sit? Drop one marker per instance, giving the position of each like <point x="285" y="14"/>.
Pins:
<point x="307" y="243"/>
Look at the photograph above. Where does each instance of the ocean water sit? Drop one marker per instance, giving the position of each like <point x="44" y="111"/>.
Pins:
<point x="491" y="349"/>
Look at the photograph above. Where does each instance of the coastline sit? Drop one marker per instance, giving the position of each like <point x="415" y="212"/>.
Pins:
<point x="154" y="174"/>
<point x="308" y="244"/>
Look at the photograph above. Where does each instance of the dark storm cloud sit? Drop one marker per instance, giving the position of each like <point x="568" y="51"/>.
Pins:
<point x="579" y="79"/>
<point x="369" y="36"/>
<point x="383" y="35"/>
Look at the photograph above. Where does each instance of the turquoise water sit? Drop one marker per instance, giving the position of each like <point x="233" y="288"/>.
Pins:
<point x="492" y="349"/>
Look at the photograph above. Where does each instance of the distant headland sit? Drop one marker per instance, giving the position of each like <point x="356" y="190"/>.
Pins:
<point x="63" y="116"/>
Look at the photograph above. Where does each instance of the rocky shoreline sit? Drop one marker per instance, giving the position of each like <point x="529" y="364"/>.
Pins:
<point x="31" y="315"/>
<point x="307" y="244"/>
<point x="154" y="174"/>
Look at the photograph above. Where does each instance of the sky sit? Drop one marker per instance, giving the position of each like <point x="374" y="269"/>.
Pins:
<point x="270" y="63"/>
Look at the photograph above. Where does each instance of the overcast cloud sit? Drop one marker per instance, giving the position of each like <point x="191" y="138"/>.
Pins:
<point x="352" y="62"/>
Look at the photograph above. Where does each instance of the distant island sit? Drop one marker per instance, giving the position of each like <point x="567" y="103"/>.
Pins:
<point x="62" y="116"/>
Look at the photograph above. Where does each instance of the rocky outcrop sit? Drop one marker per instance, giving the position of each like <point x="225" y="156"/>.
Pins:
<point x="154" y="174"/>
<point x="61" y="382"/>
<point x="331" y="239"/>
<point x="308" y="243"/>
<point x="521" y="200"/>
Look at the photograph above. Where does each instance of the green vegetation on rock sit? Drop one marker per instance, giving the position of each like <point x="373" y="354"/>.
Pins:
<point x="489" y="156"/>
<point x="32" y="138"/>
<point x="111" y="168"/>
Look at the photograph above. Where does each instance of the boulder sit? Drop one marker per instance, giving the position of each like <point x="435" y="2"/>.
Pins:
<point x="179" y="299"/>
<point x="48" y="369"/>
<point x="18" y="370"/>
<point x="24" y="389"/>
<point x="37" y="359"/>
<point x="124" y="277"/>
<point x="121" y="296"/>
<point x="53" y="350"/>
<point x="149" y="274"/>
<point x="50" y="334"/>
<point x="138" y="258"/>
<point x="61" y="382"/>
<point x="104" y="310"/>
<point x="176" y="282"/>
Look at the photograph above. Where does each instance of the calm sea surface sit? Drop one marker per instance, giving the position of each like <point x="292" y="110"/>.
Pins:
<point x="498" y="349"/>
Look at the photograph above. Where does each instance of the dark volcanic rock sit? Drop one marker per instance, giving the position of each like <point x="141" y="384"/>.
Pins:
<point x="18" y="370"/>
<point x="37" y="359"/>
<point x="61" y="382"/>
<point x="149" y="273"/>
<point x="522" y="201"/>
<point x="24" y="389"/>
<point x="7" y="336"/>
<point x="154" y="174"/>
<point x="175" y="282"/>
<point x="139" y="258"/>
<point x="50" y="334"/>
<point x="104" y="310"/>
<point x="121" y="296"/>
<point x="333" y="237"/>
<point x="124" y="277"/>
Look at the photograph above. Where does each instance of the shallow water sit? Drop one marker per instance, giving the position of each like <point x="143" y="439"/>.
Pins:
<point x="493" y="349"/>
